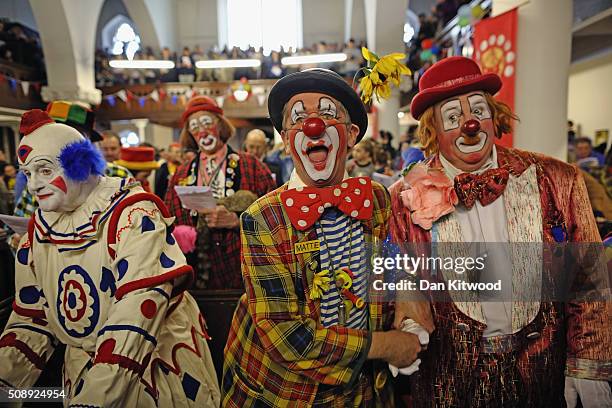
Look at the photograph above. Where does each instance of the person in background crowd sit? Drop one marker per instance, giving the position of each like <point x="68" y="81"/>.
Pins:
<point x="363" y="160"/>
<point x="256" y="143"/>
<point x="601" y="203"/>
<point x="140" y="161"/>
<point x="385" y="141"/>
<point x="187" y="155"/>
<point x="7" y="271"/>
<point x="236" y="179"/>
<point x="9" y="176"/>
<point x="571" y="133"/>
<point x="111" y="146"/>
<point x="585" y="155"/>
<point x="382" y="161"/>
<point x="167" y="169"/>
<point x="282" y="160"/>
<point x="3" y="161"/>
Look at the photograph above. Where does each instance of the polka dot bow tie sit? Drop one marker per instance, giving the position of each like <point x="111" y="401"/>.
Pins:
<point x="304" y="205"/>
<point x="485" y="187"/>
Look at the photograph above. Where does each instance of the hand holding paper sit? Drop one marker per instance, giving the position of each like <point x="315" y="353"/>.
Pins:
<point x="198" y="198"/>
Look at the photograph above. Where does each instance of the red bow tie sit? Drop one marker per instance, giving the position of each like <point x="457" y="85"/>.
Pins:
<point x="304" y="205"/>
<point x="485" y="187"/>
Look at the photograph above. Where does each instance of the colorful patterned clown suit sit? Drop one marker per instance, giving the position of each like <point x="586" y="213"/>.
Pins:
<point x="107" y="280"/>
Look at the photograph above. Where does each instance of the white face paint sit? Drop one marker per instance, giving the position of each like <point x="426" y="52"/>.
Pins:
<point x="451" y="114"/>
<point x="205" y="132"/>
<point x="471" y="148"/>
<point x="327" y="110"/>
<point x="320" y="165"/>
<point x="479" y="107"/>
<point x="46" y="181"/>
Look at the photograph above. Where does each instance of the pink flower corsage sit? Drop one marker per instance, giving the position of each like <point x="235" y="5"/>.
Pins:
<point x="428" y="194"/>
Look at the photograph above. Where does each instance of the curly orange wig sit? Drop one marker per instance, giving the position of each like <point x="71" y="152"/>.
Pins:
<point x="427" y="134"/>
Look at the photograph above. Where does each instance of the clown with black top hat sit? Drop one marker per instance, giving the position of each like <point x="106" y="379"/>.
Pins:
<point x="304" y="333"/>
<point x="519" y="346"/>
<point x="100" y="271"/>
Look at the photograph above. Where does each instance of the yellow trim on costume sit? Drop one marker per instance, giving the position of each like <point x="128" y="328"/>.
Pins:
<point x="150" y="165"/>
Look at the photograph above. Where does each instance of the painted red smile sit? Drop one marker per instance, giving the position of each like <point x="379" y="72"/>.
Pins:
<point x="43" y="196"/>
<point x="317" y="153"/>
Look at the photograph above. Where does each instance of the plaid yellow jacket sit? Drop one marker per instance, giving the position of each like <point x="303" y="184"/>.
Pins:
<point x="278" y="354"/>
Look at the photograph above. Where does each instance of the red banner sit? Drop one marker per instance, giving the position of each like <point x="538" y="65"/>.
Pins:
<point x="495" y="51"/>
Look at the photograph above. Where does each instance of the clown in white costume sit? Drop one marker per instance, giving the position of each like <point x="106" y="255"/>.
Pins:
<point x="100" y="272"/>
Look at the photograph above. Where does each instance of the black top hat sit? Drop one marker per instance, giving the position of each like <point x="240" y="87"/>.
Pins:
<point x="316" y="80"/>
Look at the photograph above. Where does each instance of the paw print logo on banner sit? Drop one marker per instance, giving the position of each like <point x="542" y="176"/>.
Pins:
<point x="496" y="55"/>
<point x="78" y="305"/>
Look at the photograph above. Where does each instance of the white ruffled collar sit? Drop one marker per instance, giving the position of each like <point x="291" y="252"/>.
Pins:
<point x="82" y="224"/>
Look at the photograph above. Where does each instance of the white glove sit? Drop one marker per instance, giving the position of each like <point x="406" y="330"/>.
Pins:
<point x="410" y="326"/>
<point x="592" y="393"/>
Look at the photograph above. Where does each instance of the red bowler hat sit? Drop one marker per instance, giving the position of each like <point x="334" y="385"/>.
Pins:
<point x="451" y="77"/>
<point x="200" y="103"/>
<point x="137" y="158"/>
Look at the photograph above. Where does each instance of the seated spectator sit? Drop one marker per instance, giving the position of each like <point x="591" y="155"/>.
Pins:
<point x="362" y="163"/>
<point x="9" y="176"/>
<point x="167" y="169"/>
<point x="111" y="146"/>
<point x="2" y="161"/>
<point x="585" y="155"/>
<point x="256" y="143"/>
<point x="280" y="158"/>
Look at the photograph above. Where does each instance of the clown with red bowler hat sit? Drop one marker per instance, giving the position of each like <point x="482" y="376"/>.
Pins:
<point x="306" y="333"/>
<point x="237" y="179"/>
<point x="511" y="348"/>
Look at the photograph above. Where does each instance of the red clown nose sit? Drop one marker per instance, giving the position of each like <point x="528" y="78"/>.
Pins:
<point x="313" y="127"/>
<point x="471" y="127"/>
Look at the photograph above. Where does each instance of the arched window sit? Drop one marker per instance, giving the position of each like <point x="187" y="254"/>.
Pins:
<point x="120" y="37"/>
<point x="261" y="23"/>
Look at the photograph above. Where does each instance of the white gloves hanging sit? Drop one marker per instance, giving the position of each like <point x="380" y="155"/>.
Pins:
<point x="410" y="326"/>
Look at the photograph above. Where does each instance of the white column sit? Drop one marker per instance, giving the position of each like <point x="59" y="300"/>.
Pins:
<point x="370" y="20"/>
<point x="68" y="34"/>
<point x="385" y="32"/>
<point x="544" y="42"/>
<point x="348" y="18"/>
<point x="387" y="114"/>
<point x="141" y="125"/>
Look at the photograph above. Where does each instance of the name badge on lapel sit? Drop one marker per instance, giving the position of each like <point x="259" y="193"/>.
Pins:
<point x="308" y="246"/>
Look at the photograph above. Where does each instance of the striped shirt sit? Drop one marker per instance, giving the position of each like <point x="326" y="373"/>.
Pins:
<point x="342" y="245"/>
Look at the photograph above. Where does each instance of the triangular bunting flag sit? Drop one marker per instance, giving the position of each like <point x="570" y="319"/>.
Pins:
<point x="25" y="87"/>
<point x="155" y="95"/>
<point x="174" y="99"/>
<point x="141" y="101"/>
<point x="13" y="84"/>
<point x="261" y="99"/>
<point x="220" y="100"/>
<point x="122" y="95"/>
<point x="111" y="100"/>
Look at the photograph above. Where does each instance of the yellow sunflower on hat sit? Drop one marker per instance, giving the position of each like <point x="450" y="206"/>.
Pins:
<point x="380" y="73"/>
